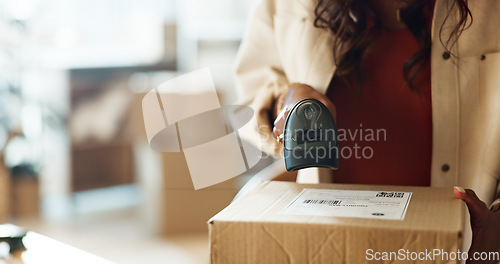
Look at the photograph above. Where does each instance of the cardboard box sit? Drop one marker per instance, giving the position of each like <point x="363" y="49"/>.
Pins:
<point x="25" y="196"/>
<point x="187" y="211"/>
<point x="255" y="228"/>
<point x="5" y="199"/>
<point x="172" y="206"/>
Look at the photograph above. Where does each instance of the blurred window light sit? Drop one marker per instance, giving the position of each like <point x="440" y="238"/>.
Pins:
<point x="18" y="9"/>
<point x="18" y="152"/>
<point x="3" y="137"/>
<point x="94" y="33"/>
<point x="66" y="37"/>
<point x="31" y="121"/>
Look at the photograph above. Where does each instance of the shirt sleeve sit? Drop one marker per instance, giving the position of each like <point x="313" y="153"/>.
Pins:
<point x="259" y="77"/>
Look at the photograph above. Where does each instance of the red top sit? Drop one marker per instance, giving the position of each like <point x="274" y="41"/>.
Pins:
<point x="385" y="134"/>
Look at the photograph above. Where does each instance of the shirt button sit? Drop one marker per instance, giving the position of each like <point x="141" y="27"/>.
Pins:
<point x="483" y="57"/>
<point x="445" y="167"/>
<point x="446" y="55"/>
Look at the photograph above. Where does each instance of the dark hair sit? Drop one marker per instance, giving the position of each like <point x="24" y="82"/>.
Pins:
<point x="348" y="21"/>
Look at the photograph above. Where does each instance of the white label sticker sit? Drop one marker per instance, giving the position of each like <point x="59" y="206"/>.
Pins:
<point x="347" y="203"/>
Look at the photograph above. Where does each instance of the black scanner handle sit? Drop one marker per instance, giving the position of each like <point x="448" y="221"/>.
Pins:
<point x="310" y="137"/>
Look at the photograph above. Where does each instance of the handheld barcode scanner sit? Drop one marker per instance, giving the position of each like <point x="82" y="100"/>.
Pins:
<point x="310" y="137"/>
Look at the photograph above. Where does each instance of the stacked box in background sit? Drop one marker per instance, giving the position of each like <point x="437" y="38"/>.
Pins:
<point x="183" y="208"/>
<point x="5" y="198"/>
<point x="171" y="204"/>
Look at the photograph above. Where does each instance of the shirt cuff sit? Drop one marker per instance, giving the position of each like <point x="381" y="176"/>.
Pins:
<point x="495" y="205"/>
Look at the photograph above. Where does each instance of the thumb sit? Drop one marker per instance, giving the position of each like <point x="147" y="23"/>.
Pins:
<point x="477" y="208"/>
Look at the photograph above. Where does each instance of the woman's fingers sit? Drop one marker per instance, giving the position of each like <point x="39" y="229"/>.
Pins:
<point x="279" y="123"/>
<point x="295" y="93"/>
<point x="477" y="208"/>
<point x="331" y="107"/>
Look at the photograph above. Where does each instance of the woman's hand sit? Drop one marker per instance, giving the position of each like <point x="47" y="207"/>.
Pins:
<point x="294" y="94"/>
<point x="485" y="226"/>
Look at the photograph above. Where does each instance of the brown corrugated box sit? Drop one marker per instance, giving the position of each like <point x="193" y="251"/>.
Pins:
<point x="252" y="229"/>
<point x="183" y="209"/>
<point x="5" y="192"/>
<point x="172" y="206"/>
<point x="25" y="196"/>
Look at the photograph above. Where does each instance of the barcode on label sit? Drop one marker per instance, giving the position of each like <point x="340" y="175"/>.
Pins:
<point x="390" y="194"/>
<point x="328" y="202"/>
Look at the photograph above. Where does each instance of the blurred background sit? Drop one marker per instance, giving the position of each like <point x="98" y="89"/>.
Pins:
<point x="74" y="160"/>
